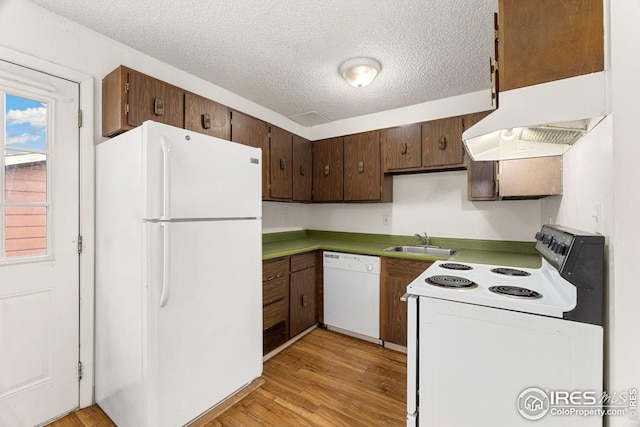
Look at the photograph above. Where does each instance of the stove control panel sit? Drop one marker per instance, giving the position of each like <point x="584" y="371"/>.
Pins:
<point x="579" y="258"/>
<point x="554" y="245"/>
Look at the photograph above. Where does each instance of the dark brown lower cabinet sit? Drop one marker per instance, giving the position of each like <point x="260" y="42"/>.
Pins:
<point x="275" y="303"/>
<point x="288" y="298"/>
<point x="395" y="275"/>
<point x="302" y="301"/>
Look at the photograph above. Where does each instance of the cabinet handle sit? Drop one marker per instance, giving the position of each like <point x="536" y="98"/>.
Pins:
<point x="158" y="106"/>
<point x="283" y="164"/>
<point x="302" y="170"/>
<point x="360" y="167"/>
<point x="206" y="121"/>
<point x="326" y="170"/>
<point x="305" y="300"/>
<point x="442" y="143"/>
<point x="403" y="148"/>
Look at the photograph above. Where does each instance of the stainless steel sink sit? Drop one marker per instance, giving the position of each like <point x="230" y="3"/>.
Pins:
<point x="421" y="249"/>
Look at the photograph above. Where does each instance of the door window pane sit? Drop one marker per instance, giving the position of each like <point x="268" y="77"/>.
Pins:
<point x="25" y="177"/>
<point x="25" y="231"/>
<point x="24" y="201"/>
<point x="26" y="123"/>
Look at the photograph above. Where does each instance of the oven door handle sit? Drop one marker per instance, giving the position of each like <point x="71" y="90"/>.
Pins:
<point x="412" y="354"/>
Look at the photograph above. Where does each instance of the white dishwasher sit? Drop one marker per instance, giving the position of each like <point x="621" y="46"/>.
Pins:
<point x="352" y="294"/>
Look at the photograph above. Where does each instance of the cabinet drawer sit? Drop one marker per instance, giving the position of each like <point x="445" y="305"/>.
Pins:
<point x="274" y="313"/>
<point x="303" y="261"/>
<point x="275" y="268"/>
<point x="409" y="268"/>
<point x="274" y="290"/>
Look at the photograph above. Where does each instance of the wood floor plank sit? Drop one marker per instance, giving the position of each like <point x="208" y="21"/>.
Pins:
<point x="323" y="379"/>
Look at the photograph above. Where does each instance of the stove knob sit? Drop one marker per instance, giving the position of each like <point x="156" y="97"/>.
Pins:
<point x="546" y="239"/>
<point x="561" y="249"/>
<point x="550" y="242"/>
<point x="539" y="236"/>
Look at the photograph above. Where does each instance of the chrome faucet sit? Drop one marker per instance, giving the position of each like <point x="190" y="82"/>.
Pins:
<point x="425" y="238"/>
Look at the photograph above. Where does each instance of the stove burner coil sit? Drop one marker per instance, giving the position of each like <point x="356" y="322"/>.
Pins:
<point x="453" y="282"/>
<point x="510" y="271"/>
<point x="455" y="266"/>
<point x="515" y="291"/>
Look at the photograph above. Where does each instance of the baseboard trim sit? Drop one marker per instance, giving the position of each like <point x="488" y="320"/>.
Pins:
<point x="217" y="410"/>
<point x="288" y="343"/>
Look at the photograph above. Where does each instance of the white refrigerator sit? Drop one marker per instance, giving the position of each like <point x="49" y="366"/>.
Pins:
<point x="178" y="274"/>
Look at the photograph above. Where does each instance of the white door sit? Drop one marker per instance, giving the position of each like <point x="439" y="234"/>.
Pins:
<point x="39" y="261"/>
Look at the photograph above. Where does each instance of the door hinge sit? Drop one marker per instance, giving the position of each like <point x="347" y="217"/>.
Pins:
<point x="79" y="370"/>
<point x="126" y="87"/>
<point x="79" y="245"/>
<point x="79" y="118"/>
<point x="126" y="108"/>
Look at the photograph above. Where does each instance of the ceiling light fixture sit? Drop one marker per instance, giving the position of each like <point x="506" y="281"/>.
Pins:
<point x="360" y="72"/>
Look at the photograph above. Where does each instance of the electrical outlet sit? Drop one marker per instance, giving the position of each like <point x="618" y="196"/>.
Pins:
<point x="385" y="219"/>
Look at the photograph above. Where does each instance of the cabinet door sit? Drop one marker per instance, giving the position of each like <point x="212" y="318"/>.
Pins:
<point x="250" y="131"/>
<point x="481" y="181"/>
<point x="281" y="163"/>
<point x="302" y="169"/>
<point x="546" y="40"/>
<point x="302" y="301"/>
<point x="396" y="274"/>
<point x="442" y="143"/>
<point x="152" y="99"/>
<point x="206" y="116"/>
<point x="530" y="178"/>
<point x="481" y="176"/>
<point x="362" y="167"/>
<point x="327" y="170"/>
<point x="402" y="147"/>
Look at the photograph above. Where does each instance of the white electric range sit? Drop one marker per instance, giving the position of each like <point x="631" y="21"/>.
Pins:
<point x="496" y="345"/>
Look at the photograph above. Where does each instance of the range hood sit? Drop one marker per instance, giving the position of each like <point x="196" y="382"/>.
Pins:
<point x="541" y="120"/>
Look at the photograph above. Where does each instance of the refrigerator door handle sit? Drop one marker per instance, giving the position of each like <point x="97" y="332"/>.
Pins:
<point x="166" y="178"/>
<point x="166" y="263"/>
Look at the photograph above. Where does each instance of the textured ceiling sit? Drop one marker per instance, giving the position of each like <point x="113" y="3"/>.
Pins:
<point x="285" y="54"/>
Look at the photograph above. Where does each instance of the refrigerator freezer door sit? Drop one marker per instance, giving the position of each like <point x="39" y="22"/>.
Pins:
<point x="203" y="316"/>
<point x="189" y="175"/>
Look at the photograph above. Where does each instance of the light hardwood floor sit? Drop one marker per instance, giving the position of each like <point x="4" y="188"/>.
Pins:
<point x="324" y="379"/>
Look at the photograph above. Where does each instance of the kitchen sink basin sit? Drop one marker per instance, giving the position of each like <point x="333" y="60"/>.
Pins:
<point x="421" y="249"/>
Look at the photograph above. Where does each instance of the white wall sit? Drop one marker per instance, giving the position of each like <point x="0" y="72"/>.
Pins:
<point x="587" y="202"/>
<point x="624" y="352"/>
<point x="435" y="203"/>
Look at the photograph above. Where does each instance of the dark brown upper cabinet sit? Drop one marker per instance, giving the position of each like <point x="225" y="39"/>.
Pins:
<point x="481" y="176"/>
<point x="328" y="170"/>
<point x="442" y="143"/>
<point x="362" y="167"/>
<point x="302" y="169"/>
<point x="129" y="98"/>
<point x="250" y="131"/>
<point x="545" y="40"/>
<point x="281" y="163"/>
<point x="206" y="116"/>
<point x="402" y="148"/>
